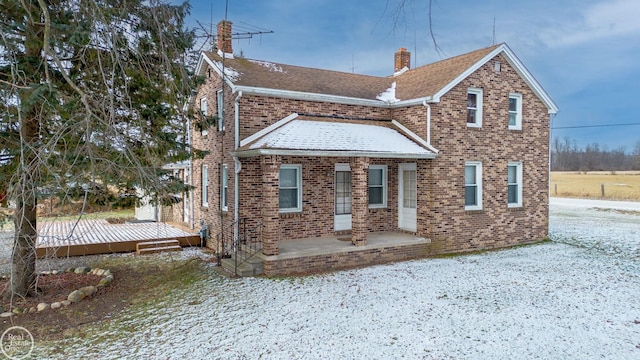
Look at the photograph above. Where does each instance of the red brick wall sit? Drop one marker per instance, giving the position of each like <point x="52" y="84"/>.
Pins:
<point x="214" y="142"/>
<point x="451" y="228"/>
<point x="316" y="218"/>
<point x="441" y="214"/>
<point x="345" y="260"/>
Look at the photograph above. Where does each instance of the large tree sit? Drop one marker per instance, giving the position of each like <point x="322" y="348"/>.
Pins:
<point x="92" y="94"/>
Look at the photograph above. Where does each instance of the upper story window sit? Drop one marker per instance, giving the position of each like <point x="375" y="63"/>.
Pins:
<point x="220" y="110"/>
<point x="473" y="185"/>
<point x="203" y="112"/>
<point x="290" y="188"/>
<point x="205" y="185"/>
<point x="514" y="180"/>
<point x="515" y="111"/>
<point x="474" y="107"/>
<point x="377" y="186"/>
<point x="224" y="188"/>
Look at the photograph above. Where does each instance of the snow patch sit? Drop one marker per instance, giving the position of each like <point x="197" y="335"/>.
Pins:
<point x="389" y="95"/>
<point x="550" y="300"/>
<point x="268" y="65"/>
<point x="225" y="55"/>
<point x="231" y="73"/>
<point x="401" y="71"/>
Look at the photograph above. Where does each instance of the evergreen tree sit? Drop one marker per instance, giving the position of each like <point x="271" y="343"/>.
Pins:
<point x="92" y="93"/>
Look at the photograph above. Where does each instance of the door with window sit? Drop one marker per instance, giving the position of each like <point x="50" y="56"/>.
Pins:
<point x="407" y="197"/>
<point x="342" y="216"/>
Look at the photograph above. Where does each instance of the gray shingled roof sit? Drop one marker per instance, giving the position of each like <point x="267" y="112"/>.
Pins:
<point x="262" y="74"/>
<point x="416" y="83"/>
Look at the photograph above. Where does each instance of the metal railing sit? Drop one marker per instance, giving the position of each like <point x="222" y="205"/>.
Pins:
<point x="244" y="247"/>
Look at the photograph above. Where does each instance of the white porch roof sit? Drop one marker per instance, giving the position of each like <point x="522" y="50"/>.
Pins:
<point x="335" y="137"/>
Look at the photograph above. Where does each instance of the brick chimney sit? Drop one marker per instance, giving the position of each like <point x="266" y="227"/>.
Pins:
<point x="402" y="59"/>
<point x="224" y="37"/>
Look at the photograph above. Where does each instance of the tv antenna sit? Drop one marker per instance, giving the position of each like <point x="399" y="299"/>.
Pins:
<point x="243" y="31"/>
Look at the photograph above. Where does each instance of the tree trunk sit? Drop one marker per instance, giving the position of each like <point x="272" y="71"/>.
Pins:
<point x="23" y="258"/>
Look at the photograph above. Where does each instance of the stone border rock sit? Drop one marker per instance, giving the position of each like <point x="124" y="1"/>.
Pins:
<point x="73" y="297"/>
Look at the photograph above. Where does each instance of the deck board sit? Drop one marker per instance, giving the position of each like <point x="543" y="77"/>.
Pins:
<point x="87" y="237"/>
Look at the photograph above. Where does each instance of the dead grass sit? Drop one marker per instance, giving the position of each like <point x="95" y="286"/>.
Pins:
<point x="621" y="185"/>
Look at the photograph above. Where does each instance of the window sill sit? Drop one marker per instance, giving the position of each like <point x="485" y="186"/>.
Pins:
<point x="290" y="215"/>
<point x="515" y="129"/>
<point x="473" y="212"/>
<point x="474" y="127"/>
<point x="376" y="208"/>
<point x="516" y="208"/>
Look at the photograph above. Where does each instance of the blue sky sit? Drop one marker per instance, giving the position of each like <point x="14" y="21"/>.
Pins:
<point x="585" y="53"/>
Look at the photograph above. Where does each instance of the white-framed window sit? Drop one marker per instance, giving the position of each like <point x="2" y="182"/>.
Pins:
<point x="515" y="111"/>
<point x="514" y="187"/>
<point x="290" y="188"/>
<point x="377" y="186"/>
<point x="220" y="110"/>
<point x="474" y="107"/>
<point x="205" y="185"/>
<point x="473" y="185"/>
<point x="203" y="112"/>
<point x="224" y="188"/>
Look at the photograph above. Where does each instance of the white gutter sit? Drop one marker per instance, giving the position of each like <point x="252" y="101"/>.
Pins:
<point x="237" y="168"/>
<point x="552" y="116"/>
<point x="237" y="121"/>
<point x="299" y="95"/>
<point x="191" y="206"/>
<point x="334" y="153"/>
<point x="426" y="104"/>
<point x="236" y="198"/>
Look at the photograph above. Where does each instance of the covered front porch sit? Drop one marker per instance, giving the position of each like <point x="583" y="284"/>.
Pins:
<point x="329" y="253"/>
<point x="320" y="178"/>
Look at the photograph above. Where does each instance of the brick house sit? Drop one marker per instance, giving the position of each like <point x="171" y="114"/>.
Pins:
<point x="448" y="157"/>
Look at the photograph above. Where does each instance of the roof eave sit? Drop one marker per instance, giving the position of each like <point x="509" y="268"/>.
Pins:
<point x="218" y="71"/>
<point x="332" y="153"/>
<point x="517" y="65"/>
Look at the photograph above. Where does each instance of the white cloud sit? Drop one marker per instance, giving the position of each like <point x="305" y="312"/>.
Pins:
<point x="599" y="21"/>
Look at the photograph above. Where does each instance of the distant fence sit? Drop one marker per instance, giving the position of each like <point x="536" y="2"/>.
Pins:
<point x="596" y="185"/>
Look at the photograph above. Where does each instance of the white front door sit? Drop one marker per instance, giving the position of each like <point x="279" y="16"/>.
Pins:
<point x="407" y="197"/>
<point x="342" y="208"/>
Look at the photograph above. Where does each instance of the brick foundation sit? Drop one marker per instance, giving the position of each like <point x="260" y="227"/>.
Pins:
<point x="344" y="260"/>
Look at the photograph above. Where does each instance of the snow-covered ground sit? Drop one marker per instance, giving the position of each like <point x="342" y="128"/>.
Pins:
<point x="577" y="297"/>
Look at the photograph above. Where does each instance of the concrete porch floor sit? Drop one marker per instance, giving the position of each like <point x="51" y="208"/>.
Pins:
<point x="306" y="247"/>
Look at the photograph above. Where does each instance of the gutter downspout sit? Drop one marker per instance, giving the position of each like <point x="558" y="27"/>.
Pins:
<point x="551" y="118"/>
<point x="191" y="206"/>
<point x="237" y="121"/>
<point x="426" y="105"/>
<point x="238" y="168"/>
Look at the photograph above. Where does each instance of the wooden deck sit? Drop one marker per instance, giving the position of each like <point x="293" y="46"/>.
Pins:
<point x="88" y="237"/>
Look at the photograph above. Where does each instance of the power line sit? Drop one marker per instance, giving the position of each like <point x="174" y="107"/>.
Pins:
<point x="593" y="126"/>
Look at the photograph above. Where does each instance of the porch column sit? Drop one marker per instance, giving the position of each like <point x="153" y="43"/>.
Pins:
<point x="270" y="201"/>
<point x="360" y="200"/>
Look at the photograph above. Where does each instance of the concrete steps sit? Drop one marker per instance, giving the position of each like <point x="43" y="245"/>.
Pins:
<point x="152" y="247"/>
<point x="247" y="265"/>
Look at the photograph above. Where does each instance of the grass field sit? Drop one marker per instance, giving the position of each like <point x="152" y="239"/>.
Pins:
<point x="620" y="185"/>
